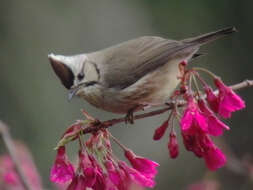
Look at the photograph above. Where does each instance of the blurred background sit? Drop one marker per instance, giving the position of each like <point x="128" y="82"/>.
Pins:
<point x="34" y="103"/>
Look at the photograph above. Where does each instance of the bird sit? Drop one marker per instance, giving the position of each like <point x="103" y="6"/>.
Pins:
<point x="130" y="76"/>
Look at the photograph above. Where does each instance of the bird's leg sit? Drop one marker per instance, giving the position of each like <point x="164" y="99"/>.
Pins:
<point x="130" y="115"/>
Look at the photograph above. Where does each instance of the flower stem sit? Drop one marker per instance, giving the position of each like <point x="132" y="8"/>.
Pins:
<point x="196" y="85"/>
<point x="206" y="71"/>
<point x="118" y="142"/>
<point x="200" y="79"/>
<point x="190" y="83"/>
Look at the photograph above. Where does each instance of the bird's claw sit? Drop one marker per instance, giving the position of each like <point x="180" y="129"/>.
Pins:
<point x="129" y="117"/>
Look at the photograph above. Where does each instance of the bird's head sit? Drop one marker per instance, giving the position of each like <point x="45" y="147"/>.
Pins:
<point x="75" y="72"/>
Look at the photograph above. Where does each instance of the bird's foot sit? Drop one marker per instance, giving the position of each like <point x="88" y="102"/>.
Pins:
<point x="129" y="117"/>
<point x="130" y="114"/>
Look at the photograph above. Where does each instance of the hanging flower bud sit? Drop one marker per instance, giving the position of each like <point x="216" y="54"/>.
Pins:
<point x="159" y="132"/>
<point x="173" y="145"/>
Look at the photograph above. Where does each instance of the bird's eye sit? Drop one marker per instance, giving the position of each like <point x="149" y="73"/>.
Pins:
<point x="80" y="76"/>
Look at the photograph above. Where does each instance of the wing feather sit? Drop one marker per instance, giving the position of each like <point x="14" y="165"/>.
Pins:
<point x="122" y="65"/>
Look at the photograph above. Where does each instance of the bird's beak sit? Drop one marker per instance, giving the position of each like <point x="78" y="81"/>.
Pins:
<point x="72" y="93"/>
<point x="73" y="90"/>
<point x="61" y="70"/>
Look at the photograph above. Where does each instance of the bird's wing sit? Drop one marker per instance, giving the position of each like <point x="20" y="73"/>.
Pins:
<point x="122" y="65"/>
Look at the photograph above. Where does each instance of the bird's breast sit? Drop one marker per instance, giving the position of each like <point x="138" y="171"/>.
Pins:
<point x="106" y="98"/>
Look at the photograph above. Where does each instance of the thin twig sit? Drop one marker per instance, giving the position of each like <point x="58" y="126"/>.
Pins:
<point x="109" y="123"/>
<point x="244" y="84"/>
<point x="13" y="154"/>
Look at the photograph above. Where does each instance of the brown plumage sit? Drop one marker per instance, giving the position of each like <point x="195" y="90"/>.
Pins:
<point x="128" y="76"/>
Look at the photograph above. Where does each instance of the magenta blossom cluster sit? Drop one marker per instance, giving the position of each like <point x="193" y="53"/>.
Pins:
<point x="99" y="169"/>
<point x="9" y="179"/>
<point x="200" y="118"/>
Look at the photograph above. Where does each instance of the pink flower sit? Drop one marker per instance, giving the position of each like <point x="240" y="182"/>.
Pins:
<point x="214" y="158"/>
<point x="109" y="185"/>
<point x="136" y="176"/>
<point x="191" y="142"/>
<point x="95" y="164"/>
<point x="100" y="183"/>
<point x="8" y="176"/>
<point x="215" y="126"/>
<point x="192" y="117"/>
<point x="145" y="166"/>
<point x="195" y="135"/>
<point x="113" y="174"/>
<point x="173" y="145"/>
<point x="212" y="99"/>
<point x="202" y="146"/>
<point x="89" y="171"/>
<point x="62" y="170"/>
<point x="11" y="178"/>
<point x="229" y="101"/>
<point x="7" y="172"/>
<point x="125" y="180"/>
<point x="159" y="132"/>
<point x="118" y="176"/>
<point x="78" y="183"/>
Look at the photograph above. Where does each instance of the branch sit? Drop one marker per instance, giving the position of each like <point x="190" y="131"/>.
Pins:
<point x="13" y="154"/>
<point x="241" y="85"/>
<point x="105" y="124"/>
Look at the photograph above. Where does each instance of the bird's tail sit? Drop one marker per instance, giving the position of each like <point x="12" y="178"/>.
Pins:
<point x="209" y="37"/>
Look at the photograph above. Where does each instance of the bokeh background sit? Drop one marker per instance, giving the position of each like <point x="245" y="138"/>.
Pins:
<point x="34" y="103"/>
